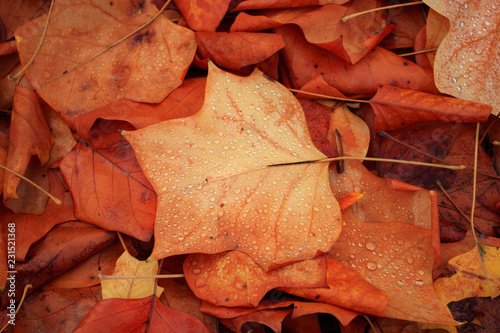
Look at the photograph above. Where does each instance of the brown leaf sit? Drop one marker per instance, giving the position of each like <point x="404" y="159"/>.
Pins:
<point x="80" y="29"/>
<point x="239" y="203"/>
<point x="265" y="4"/>
<point x="203" y="15"/>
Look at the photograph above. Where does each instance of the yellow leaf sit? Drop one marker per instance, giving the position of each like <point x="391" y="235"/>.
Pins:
<point x="469" y="279"/>
<point x="131" y="288"/>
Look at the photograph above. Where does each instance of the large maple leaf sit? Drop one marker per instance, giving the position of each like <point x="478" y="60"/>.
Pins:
<point x="215" y="189"/>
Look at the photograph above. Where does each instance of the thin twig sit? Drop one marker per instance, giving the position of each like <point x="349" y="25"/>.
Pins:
<point x="26" y="287"/>
<point x="19" y="74"/>
<point x="127" y="277"/>
<point x="417" y="52"/>
<point x="329" y="97"/>
<point x="348" y="17"/>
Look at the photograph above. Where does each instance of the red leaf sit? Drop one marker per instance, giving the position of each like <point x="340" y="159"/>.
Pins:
<point x="126" y="315"/>
<point x="203" y="15"/>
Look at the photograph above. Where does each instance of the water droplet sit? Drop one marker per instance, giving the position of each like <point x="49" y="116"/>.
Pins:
<point x="200" y="283"/>
<point x="371" y="266"/>
<point x="370" y="246"/>
<point x="419" y="283"/>
<point x="196" y="271"/>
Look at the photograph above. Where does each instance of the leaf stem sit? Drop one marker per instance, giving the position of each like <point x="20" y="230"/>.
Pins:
<point x="126" y="277"/>
<point x="329" y="97"/>
<point x="348" y="17"/>
<point x="26" y="287"/>
<point x="474" y="189"/>
<point x="417" y="52"/>
<point x="57" y="201"/>
<point x="19" y="74"/>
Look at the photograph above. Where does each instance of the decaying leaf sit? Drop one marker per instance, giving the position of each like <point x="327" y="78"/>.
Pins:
<point x="217" y="163"/>
<point x="146" y="67"/>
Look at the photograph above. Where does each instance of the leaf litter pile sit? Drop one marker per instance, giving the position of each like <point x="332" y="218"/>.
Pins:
<point x="256" y="165"/>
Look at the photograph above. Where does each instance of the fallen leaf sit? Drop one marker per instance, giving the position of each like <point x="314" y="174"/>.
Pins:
<point x="31" y="228"/>
<point x="467" y="61"/>
<point x="184" y="101"/>
<point x="322" y="26"/>
<point x="256" y="122"/>
<point x="453" y="143"/>
<point x="436" y="30"/>
<point x="62" y="248"/>
<point x="203" y="15"/>
<point x="306" y="61"/>
<point x="354" y="133"/>
<point x="318" y="123"/>
<point x="131" y="288"/>
<point x="396" y="108"/>
<point x="478" y="314"/>
<point x="469" y="279"/>
<point x="18" y="12"/>
<point x="58" y="310"/>
<point x="120" y="315"/>
<point x="73" y="84"/>
<point x="234" y="279"/>
<point x="108" y="188"/>
<point x="234" y="50"/>
<point x="396" y="258"/>
<point x="407" y="23"/>
<point x="29" y="136"/>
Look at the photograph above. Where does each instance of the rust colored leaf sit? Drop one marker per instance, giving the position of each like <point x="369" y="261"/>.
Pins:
<point x="203" y="15"/>
<point x="467" y="61"/>
<point x="407" y="23"/>
<point x="146" y="67"/>
<point x="454" y="143"/>
<point x="234" y="279"/>
<point x="15" y="13"/>
<point x="272" y="319"/>
<point x="318" y="122"/>
<point x="183" y="102"/>
<point x="347" y="289"/>
<point x="120" y="315"/>
<point x="234" y="50"/>
<point x="62" y="248"/>
<point x="57" y="310"/>
<point x="395" y="108"/>
<point x="436" y="30"/>
<point x="109" y="190"/>
<point x="396" y="258"/>
<point x="131" y="288"/>
<point x="31" y="228"/>
<point x="307" y="61"/>
<point x="239" y="202"/>
<point x="4" y="148"/>
<point x="318" y="85"/>
<point x="469" y="279"/>
<point x="321" y="25"/>
<point x="265" y="4"/>
<point x="29" y="136"/>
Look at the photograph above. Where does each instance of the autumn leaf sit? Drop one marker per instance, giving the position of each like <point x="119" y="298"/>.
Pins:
<point x="467" y="61"/>
<point x="350" y="40"/>
<point x="203" y="15"/>
<point x="131" y="288"/>
<point x="396" y="108"/>
<point x="234" y="50"/>
<point x="355" y="134"/>
<point x="73" y="83"/>
<point x="469" y="279"/>
<point x="123" y="314"/>
<point x="265" y="4"/>
<point x="233" y="279"/>
<point x="217" y="162"/>
<point x="30" y="136"/>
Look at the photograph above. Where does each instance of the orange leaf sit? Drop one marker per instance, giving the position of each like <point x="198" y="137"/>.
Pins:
<point x="397" y="258"/>
<point x="109" y="190"/>
<point x="234" y="279"/>
<point x="203" y="15"/>
<point x="354" y="132"/>
<point x="318" y="122"/>
<point x="395" y="108"/>
<point x="234" y="50"/>
<point x="321" y="25"/>
<point x="29" y="136"/>
<point x="306" y="61"/>
<point x="120" y="315"/>
<point x="467" y="61"/>
<point x="184" y="101"/>
<point x="265" y="4"/>
<point x="239" y="203"/>
<point x="349" y="200"/>
<point x="78" y="30"/>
